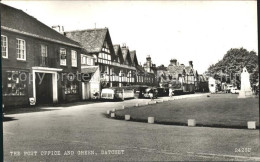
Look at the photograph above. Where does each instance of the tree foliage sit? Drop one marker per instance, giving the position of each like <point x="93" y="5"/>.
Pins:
<point x="232" y="64"/>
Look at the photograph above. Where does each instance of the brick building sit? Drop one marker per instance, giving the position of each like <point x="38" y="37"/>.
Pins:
<point x="34" y="59"/>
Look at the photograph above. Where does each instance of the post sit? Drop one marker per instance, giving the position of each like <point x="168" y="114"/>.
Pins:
<point x="150" y="120"/>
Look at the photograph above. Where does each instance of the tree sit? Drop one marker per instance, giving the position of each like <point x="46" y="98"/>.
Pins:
<point x="232" y="64"/>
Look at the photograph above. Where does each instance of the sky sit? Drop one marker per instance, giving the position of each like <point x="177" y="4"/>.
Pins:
<point x="198" y="31"/>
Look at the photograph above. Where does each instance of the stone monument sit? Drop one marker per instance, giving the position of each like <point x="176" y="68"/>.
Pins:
<point x="245" y="90"/>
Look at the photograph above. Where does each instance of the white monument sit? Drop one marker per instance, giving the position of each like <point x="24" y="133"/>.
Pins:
<point x="245" y="90"/>
<point x="212" y="85"/>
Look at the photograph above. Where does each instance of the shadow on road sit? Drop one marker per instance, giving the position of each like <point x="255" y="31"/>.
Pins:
<point x="6" y="119"/>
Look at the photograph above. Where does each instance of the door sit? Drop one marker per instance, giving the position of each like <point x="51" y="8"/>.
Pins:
<point x="44" y="94"/>
<point x="87" y="90"/>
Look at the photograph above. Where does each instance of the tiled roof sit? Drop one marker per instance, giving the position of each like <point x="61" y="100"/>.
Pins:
<point x="140" y="68"/>
<point x="126" y="54"/>
<point x="91" y="39"/>
<point x="118" y="52"/>
<point x="116" y="49"/>
<point x="161" y="68"/>
<point x="133" y="56"/>
<point x="188" y="69"/>
<point x="16" y="20"/>
<point x="175" y="69"/>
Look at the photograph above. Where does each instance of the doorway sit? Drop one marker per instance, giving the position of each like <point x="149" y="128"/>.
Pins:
<point x="44" y="89"/>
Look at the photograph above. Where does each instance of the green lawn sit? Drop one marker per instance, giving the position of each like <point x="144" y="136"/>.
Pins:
<point x="218" y="110"/>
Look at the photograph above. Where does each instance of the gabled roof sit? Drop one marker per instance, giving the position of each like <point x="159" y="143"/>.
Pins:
<point x="140" y="69"/>
<point x="91" y="39"/>
<point x="118" y="52"/>
<point x="16" y="20"/>
<point x="126" y="55"/>
<point x="188" y="69"/>
<point x="133" y="57"/>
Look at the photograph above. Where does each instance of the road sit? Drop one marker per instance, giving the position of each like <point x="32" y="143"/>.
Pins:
<point x="83" y="133"/>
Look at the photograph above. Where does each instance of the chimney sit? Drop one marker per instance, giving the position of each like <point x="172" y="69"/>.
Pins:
<point x="148" y="58"/>
<point x="173" y="62"/>
<point x="56" y="27"/>
<point x="191" y="64"/>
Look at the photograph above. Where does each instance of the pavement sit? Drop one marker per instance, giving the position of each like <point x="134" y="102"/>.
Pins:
<point x="84" y="133"/>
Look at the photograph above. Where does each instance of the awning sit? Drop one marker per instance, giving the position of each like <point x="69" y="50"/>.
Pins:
<point x="87" y="72"/>
<point x="89" y="69"/>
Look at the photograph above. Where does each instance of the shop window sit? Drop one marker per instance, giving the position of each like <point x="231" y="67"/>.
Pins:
<point x="14" y="83"/>
<point x="70" y="85"/>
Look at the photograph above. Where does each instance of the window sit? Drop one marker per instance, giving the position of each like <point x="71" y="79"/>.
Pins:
<point x="4" y="46"/>
<point x="63" y="56"/>
<point x="104" y="58"/>
<point x="70" y="84"/>
<point x="73" y="58"/>
<point x="83" y="59"/>
<point x="44" y="55"/>
<point x="44" y="51"/>
<point x="95" y="56"/>
<point x="20" y="49"/>
<point x="90" y="61"/>
<point x="14" y="83"/>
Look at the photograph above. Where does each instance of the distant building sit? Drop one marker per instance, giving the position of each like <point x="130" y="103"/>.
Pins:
<point x="177" y="77"/>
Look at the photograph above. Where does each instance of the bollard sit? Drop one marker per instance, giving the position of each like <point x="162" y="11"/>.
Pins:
<point x="151" y="120"/>
<point x="112" y="115"/>
<point x="136" y="104"/>
<point x="123" y="107"/>
<point x="158" y="101"/>
<point x="191" y="122"/>
<point x="114" y="110"/>
<point x="251" y="125"/>
<point x="152" y="102"/>
<point x="108" y="111"/>
<point x="127" y="117"/>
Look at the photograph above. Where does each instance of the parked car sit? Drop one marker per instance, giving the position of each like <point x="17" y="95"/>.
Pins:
<point x="150" y="92"/>
<point x="234" y="90"/>
<point x="228" y="88"/>
<point x="117" y="93"/>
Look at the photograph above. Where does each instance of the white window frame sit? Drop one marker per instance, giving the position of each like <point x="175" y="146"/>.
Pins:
<point x="6" y="46"/>
<point x="46" y="50"/>
<point x="83" y="59"/>
<point x="74" y="62"/>
<point x="19" y="49"/>
<point x="61" y="62"/>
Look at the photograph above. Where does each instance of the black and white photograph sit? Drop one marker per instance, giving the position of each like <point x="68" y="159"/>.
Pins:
<point x="129" y="80"/>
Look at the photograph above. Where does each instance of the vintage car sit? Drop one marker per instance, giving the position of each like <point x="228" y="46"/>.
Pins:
<point x="150" y="92"/>
<point x="234" y="90"/>
<point x="117" y="93"/>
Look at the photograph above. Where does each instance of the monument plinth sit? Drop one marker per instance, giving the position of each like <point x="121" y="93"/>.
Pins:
<point x="245" y="90"/>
